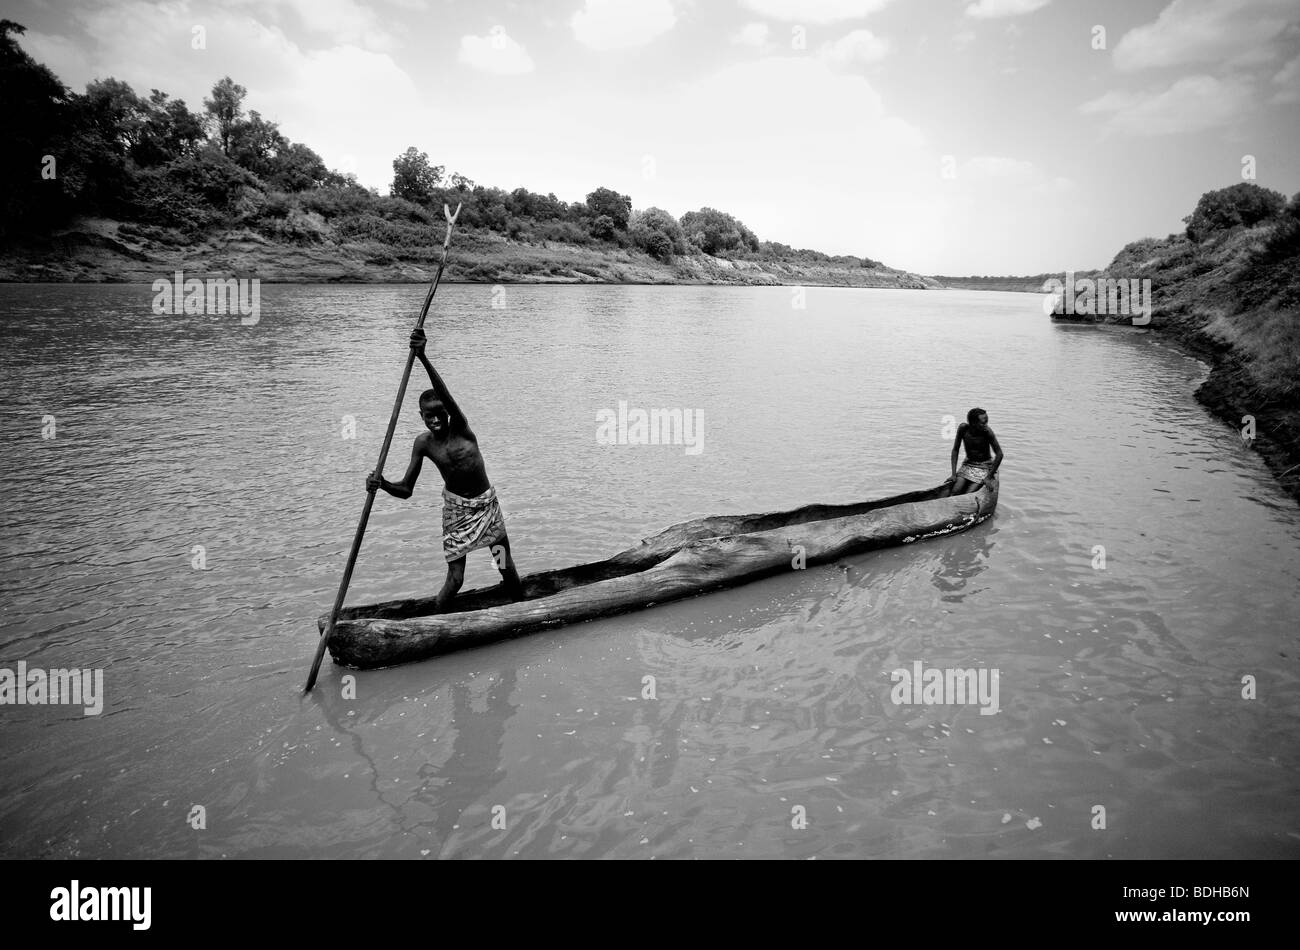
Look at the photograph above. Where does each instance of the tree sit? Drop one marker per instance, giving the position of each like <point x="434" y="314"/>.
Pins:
<point x="657" y="233"/>
<point x="298" y="168"/>
<point x="618" y="208"/>
<point x="34" y="111"/>
<point x="413" y="177"/>
<point x="658" y="245"/>
<point x="225" y="109"/>
<point x="104" y="127"/>
<point x="713" y="231"/>
<point x="603" y="228"/>
<point x="170" y="130"/>
<point x="522" y="203"/>
<point x="116" y="112"/>
<point x="255" y="144"/>
<point x="551" y="208"/>
<point x="1241" y="204"/>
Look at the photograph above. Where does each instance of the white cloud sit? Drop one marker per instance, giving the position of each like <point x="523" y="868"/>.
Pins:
<point x="1191" y="104"/>
<point x="753" y="34"/>
<point x="993" y="9"/>
<point x="859" y="48"/>
<point x="341" y="21"/>
<point x="1204" y="31"/>
<point x="495" y="53"/>
<point x="808" y="156"/>
<point x="619" y="24"/>
<point x="995" y="203"/>
<point x="1018" y="173"/>
<point x="1289" y="79"/>
<point x="815" y="11"/>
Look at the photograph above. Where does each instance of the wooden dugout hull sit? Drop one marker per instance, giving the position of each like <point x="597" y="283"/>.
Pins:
<point x="690" y="558"/>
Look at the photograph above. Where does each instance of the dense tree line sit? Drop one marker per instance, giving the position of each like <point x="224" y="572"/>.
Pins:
<point x="153" y="162"/>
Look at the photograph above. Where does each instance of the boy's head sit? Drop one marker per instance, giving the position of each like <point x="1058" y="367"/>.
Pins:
<point x="433" y="412"/>
<point x="977" y="417"/>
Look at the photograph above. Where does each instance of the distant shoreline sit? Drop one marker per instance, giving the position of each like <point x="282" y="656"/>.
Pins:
<point x="102" y="250"/>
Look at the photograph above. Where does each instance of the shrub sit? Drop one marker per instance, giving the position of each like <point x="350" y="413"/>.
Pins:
<point x="562" y="231"/>
<point x="713" y="231"/>
<point x="250" y="206"/>
<point x="603" y="229"/>
<point x="399" y="209"/>
<point x="300" y="227"/>
<point x="657" y="233"/>
<point x="1272" y="272"/>
<point x="277" y="204"/>
<point x="659" y="246"/>
<point x="335" y="201"/>
<point x="1241" y="204"/>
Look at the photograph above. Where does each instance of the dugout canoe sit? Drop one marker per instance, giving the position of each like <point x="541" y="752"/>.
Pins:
<point x="686" y="559"/>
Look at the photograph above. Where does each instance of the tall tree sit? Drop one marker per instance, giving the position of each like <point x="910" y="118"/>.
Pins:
<point x="298" y="168"/>
<point x="225" y="109"/>
<point x="413" y="177"/>
<point x="607" y="202"/>
<point x="255" y="144"/>
<point x="116" y="112"/>
<point x="170" y="131"/>
<point x="34" y="110"/>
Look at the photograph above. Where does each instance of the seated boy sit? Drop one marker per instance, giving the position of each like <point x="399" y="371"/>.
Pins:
<point x="980" y="464"/>
<point x="471" y="514"/>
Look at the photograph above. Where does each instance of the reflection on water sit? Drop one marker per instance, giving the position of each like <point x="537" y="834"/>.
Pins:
<point x="965" y="556"/>
<point x="689" y="730"/>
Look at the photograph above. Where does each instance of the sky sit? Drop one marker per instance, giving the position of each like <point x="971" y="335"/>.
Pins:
<point x="946" y="137"/>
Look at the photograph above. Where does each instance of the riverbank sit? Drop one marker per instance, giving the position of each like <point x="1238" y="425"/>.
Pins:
<point x="1231" y="300"/>
<point x="98" y="250"/>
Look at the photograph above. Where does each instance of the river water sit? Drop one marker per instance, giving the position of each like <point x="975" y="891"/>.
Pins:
<point x="190" y="516"/>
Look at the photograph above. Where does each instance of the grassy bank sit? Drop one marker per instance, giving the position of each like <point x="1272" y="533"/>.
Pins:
<point x="1229" y="290"/>
<point x="103" y="250"/>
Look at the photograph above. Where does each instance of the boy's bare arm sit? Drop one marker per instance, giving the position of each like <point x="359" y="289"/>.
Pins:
<point x="956" y="447"/>
<point x="455" y="416"/>
<point x="997" y="448"/>
<point x="406" y="486"/>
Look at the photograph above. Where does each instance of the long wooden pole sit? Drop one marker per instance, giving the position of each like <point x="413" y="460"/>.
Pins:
<point x="383" y="456"/>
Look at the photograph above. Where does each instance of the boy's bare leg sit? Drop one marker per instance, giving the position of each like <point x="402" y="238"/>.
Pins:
<point x="451" y="586"/>
<point x="505" y="563"/>
<point x="959" y="487"/>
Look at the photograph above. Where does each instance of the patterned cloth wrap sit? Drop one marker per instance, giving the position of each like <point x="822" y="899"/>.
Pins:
<point x="470" y="523"/>
<point x="975" y="472"/>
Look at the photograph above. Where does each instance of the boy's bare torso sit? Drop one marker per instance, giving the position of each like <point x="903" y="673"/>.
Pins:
<point x="976" y="443"/>
<point x="459" y="461"/>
